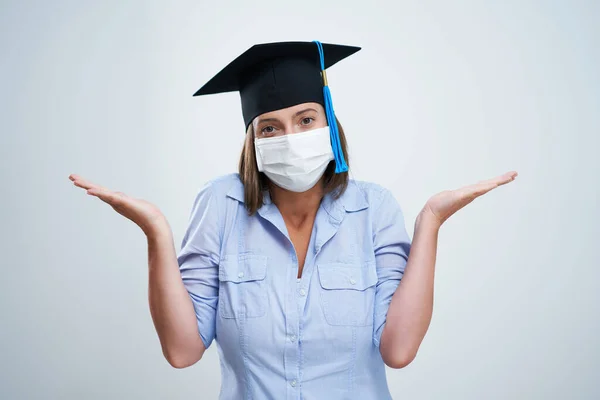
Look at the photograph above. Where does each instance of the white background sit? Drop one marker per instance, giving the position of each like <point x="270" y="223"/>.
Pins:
<point x="442" y="94"/>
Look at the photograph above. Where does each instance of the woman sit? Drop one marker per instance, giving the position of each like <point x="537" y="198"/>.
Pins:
<point x="307" y="279"/>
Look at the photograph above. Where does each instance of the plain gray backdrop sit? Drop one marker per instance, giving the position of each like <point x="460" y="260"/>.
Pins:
<point x="442" y="94"/>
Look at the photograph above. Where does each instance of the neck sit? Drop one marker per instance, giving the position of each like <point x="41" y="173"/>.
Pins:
<point x="297" y="208"/>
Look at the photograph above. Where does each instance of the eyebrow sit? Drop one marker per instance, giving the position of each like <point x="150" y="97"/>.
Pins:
<point x="295" y="115"/>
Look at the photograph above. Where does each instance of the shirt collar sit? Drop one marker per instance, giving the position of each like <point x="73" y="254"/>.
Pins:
<point x="353" y="199"/>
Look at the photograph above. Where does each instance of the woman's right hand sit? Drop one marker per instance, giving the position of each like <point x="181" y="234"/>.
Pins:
<point x="144" y="214"/>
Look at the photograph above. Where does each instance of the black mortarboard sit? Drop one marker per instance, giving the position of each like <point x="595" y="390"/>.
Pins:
<point x="272" y="76"/>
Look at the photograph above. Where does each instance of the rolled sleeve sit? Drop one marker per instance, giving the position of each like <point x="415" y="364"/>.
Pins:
<point x="199" y="261"/>
<point x="392" y="247"/>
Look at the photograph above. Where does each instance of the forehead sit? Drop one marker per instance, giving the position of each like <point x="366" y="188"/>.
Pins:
<point x="291" y="111"/>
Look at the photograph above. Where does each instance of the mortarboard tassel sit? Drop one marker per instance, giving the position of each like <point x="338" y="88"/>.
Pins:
<point x="340" y="162"/>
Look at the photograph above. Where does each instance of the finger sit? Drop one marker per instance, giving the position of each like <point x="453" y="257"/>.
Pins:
<point x="86" y="184"/>
<point x="506" y="178"/>
<point x="482" y="187"/>
<point x="80" y="181"/>
<point x="501" y="179"/>
<point x="108" y="196"/>
<point x="76" y="179"/>
<point x="477" y="190"/>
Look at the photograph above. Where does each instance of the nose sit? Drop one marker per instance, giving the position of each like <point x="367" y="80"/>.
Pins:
<point x="291" y="128"/>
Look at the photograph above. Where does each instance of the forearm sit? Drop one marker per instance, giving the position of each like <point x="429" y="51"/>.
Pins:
<point x="170" y="305"/>
<point x="410" y="310"/>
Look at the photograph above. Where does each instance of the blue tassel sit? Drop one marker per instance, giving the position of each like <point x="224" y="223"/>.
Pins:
<point x="340" y="162"/>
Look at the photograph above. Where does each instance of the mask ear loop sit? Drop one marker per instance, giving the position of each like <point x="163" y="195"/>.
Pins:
<point x="258" y="157"/>
<point x="338" y="154"/>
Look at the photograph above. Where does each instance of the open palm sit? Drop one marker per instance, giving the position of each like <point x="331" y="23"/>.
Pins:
<point x="141" y="212"/>
<point x="446" y="203"/>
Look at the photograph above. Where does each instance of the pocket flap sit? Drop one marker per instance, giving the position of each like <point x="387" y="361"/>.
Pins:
<point x="243" y="268"/>
<point x="347" y="276"/>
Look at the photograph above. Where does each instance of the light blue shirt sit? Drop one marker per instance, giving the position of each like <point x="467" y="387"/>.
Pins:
<point x="279" y="337"/>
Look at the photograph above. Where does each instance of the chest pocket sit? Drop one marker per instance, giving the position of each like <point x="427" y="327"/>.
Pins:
<point x="242" y="288"/>
<point x="347" y="293"/>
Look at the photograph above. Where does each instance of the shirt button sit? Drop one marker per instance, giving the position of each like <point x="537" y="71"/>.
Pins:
<point x="293" y="338"/>
<point x="241" y="275"/>
<point x="352" y="281"/>
<point x="302" y="292"/>
<point x="293" y="383"/>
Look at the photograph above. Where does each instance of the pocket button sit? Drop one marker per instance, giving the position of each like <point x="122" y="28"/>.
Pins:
<point x="347" y="293"/>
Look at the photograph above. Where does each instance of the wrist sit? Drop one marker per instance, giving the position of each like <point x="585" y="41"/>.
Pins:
<point x="157" y="227"/>
<point x="428" y="220"/>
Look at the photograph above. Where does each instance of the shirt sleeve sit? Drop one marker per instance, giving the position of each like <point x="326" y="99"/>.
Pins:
<point x="392" y="247"/>
<point x="199" y="259"/>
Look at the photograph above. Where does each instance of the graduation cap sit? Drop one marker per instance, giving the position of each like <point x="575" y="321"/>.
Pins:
<point x="272" y="76"/>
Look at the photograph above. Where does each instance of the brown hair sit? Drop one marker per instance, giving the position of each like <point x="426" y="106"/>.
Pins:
<point x="255" y="182"/>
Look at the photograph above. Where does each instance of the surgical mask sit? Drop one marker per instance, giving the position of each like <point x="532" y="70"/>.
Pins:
<point x="295" y="161"/>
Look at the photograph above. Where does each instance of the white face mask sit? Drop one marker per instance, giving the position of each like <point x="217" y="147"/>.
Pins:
<point x="295" y="161"/>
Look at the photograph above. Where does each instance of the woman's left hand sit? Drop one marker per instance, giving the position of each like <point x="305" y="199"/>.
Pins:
<point x="442" y="205"/>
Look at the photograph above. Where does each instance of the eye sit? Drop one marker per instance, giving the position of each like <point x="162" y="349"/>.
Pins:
<point x="267" y="130"/>
<point x="307" y="120"/>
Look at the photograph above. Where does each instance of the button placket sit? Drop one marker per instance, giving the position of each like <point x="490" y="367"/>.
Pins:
<point x="292" y="334"/>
